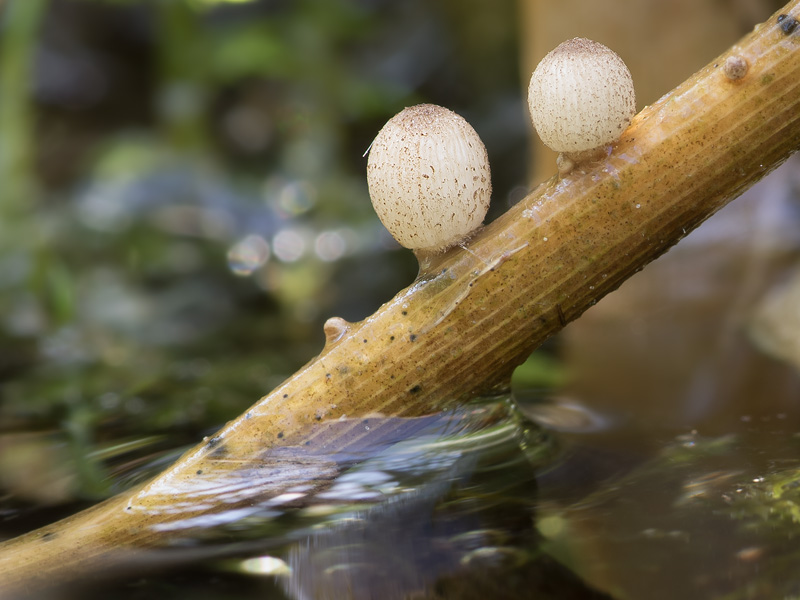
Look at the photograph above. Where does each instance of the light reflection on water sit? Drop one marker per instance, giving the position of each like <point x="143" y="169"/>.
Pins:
<point x="399" y="516"/>
<point x="565" y="414"/>
<point x="449" y="504"/>
<point x="679" y="516"/>
<point x="460" y="501"/>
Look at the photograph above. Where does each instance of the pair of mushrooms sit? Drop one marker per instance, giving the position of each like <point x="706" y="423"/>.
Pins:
<point x="428" y="171"/>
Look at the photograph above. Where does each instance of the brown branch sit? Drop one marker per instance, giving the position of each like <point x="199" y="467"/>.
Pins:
<point x="474" y="313"/>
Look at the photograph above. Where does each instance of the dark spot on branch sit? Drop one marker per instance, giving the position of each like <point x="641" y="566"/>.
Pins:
<point x="561" y="318"/>
<point x="286" y="395"/>
<point x="199" y="472"/>
<point x="413" y="337"/>
<point x="280" y="434"/>
<point x="415" y="390"/>
<point x="787" y="24"/>
<point x="48" y="535"/>
<point x="214" y="441"/>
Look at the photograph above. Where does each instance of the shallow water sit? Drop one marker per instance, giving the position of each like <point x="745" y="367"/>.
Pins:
<point x="514" y="510"/>
<point x="453" y="495"/>
<point x="689" y="516"/>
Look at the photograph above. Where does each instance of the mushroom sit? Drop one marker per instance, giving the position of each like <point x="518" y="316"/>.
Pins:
<point x="581" y="99"/>
<point x="428" y="178"/>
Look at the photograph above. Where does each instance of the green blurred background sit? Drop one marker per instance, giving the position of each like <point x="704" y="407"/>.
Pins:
<point x="183" y="203"/>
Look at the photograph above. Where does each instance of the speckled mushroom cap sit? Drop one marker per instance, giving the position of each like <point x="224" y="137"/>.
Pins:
<point x="428" y="177"/>
<point x="581" y="96"/>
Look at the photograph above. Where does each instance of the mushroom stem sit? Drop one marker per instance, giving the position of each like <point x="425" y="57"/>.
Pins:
<point x="567" y="161"/>
<point x="428" y="260"/>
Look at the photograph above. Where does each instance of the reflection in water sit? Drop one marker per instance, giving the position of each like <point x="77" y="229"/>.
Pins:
<point x="565" y="414"/>
<point x="265" y="565"/>
<point x="704" y="517"/>
<point x="479" y="503"/>
<point x="455" y="508"/>
<point x="415" y="501"/>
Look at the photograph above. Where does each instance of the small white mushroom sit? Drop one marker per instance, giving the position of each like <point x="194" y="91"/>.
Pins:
<point x="428" y="177"/>
<point x="581" y="98"/>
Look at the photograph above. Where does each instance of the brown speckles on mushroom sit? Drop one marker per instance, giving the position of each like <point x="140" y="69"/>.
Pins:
<point x="428" y="177"/>
<point x="581" y="97"/>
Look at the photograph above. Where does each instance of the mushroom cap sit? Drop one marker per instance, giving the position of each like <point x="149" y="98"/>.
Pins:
<point x="428" y="177"/>
<point x="581" y="96"/>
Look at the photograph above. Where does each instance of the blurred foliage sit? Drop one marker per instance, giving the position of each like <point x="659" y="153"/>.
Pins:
<point x="541" y="370"/>
<point x="184" y="204"/>
<point x="16" y="60"/>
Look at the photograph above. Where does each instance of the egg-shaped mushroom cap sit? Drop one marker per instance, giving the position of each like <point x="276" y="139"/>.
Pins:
<point x="428" y="177"/>
<point x="581" y="96"/>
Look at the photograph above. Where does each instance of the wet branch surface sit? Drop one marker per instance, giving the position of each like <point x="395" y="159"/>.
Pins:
<point x="472" y="316"/>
